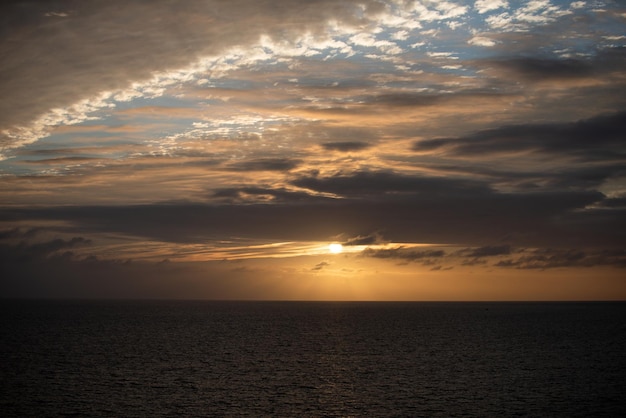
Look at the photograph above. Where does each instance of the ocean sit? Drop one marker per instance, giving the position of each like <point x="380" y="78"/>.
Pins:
<point x="331" y="359"/>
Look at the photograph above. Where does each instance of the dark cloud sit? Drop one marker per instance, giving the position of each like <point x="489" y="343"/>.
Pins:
<point x="61" y="160"/>
<point x="590" y="177"/>
<point x="541" y="258"/>
<point x="404" y="254"/>
<point x="370" y="104"/>
<point x="441" y="268"/>
<point x="31" y="252"/>
<point x="67" y="277"/>
<point x="368" y="183"/>
<point x="407" y="209"/>
<point x="370" y="239"/>
<point x="533" y="68"/>
<point x="488" y="251"/>
<point x="345" y="146"/>
<point x="613" y="203"/>
<point x="320" y="266"/>
<point x="264" y="164"/>
<point x="476" y="256"/>
<point x="530" y="177"/>
<point x="539" y="68"/>
<point x="420" y="99"/>
<point x="474" y="262"/>
<point x="599" y="138"/>
<point x="554" y="258"/>
<point x="19" y="233"/>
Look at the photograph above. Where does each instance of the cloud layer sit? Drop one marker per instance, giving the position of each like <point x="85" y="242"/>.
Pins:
<point x="492" y="131"/>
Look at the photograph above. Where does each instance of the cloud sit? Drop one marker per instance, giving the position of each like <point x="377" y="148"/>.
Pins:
<point x="484" y="6"/>
<point x="614" y="203"/>
<point x="320" y="266"/>
<point x="604" y="63"/>
<point x="375" y="238"/>
<point x="345" y="146"/>
<point x="492" y="129"/>
<point x="438" y="10"/>
<point x="264" y="164"/>
<point x="92" y="278"/>
<point x="181" y="53"/>
<point x="407" y="208"/>
<point x="19" y="233"/>
<point x="596" y="139"/>
<point x="488" y="251"/>
<point x="474" y="262"/>
<point x="532" y="13"/>
<point x="556" y="258"/>
<point x="371" y="183"/>
<point x="60" y="70"/>
<point x="404" y="99"/>
<point x="482" y="41"/>
<point x="526" y="258"/>
<point x="258" y="194"/>
<point x="404" y="254"/>
<point x="33" y="252"/>
<point x="441" y="268"/>
<point x="546" y="68"/>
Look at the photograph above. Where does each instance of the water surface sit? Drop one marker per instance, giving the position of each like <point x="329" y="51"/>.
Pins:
<point x="158" y="358"/>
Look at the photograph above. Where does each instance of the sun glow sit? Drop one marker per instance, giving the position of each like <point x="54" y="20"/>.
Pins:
<point x="335" y="248"/>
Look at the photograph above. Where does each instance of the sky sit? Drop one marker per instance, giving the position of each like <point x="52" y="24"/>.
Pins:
<point x="449" y="150"/>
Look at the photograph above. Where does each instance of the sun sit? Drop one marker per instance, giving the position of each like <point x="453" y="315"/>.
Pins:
<point x="335" y="248"/>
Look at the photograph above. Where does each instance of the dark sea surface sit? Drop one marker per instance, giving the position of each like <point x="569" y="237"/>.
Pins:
<point x="156" y="358"/>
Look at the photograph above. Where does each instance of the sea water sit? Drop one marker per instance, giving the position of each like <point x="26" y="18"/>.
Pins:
<point x="166" y="358"/>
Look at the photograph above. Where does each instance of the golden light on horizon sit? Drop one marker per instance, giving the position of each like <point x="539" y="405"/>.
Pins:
<point x="335" y="248"/>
